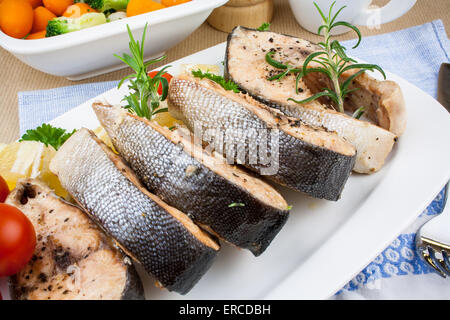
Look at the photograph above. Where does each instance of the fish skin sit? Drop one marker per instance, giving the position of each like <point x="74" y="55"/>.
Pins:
<point x="162" y="164"/>
<point x="52" y="218"/>
<point x="372" y="142"/>
<point x="303" y="166"/>
<point x="147" y="229"/>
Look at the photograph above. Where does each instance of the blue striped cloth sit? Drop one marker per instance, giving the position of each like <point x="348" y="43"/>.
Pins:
<point x="416" y="54"/>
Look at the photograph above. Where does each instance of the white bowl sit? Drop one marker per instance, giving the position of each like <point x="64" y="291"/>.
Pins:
<point x="89" y="52"/>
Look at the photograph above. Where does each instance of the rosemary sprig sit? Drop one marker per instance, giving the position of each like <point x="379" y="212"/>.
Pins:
<point x="144" y="99"/>
<point x="334" y="61"/>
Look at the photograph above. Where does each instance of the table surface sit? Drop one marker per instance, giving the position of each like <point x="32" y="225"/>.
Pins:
<point x="16" y="76"/>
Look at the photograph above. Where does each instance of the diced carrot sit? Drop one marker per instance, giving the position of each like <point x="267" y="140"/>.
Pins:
<point x="136" y="7"/>
<point x="57" y="6"/>
<point x="36" y="35"/>
<point x="41" y="17"/>
<point x="169" y="3"/>
<point x="35" y="3"/>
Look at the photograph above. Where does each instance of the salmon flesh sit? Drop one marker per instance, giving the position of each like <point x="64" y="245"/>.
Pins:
<point x="73" y="258"/>
<point x="195" y="182"/>
<point x="248" y="47"/>
<point x="304" y="158"/>
<point x="163" y="239"/>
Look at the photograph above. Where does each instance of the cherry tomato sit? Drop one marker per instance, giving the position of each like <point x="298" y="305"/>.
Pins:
<point x="17" y="240"/>
<point x="4" y="190"/>
<point x="166" y="75"/>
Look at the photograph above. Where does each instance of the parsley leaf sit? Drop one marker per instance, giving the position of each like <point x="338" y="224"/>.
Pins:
<point x="48" y="135"/>
<point x="264" y="27"/>
<point x="226" y="84"/>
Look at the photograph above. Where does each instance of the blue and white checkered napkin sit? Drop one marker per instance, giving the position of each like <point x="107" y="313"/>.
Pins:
<point x="416" y="54"/>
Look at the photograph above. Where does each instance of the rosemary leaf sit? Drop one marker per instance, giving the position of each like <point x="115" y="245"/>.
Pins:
<point x="316" y="96"/>
<point x="274" y="63"/>
<point x="358" y="112"/>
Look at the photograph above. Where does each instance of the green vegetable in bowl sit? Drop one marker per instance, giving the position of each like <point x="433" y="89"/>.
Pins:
<point x="117" y="16"/>
<point x="103" y="5"/>
<point x="63" y="25"/>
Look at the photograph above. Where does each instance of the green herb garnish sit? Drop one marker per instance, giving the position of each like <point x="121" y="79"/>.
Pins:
<point x="289" y="207"/>
<point x="358" y="112"/>
<point x="264" y="27"/>
<point x="334" y="61"/>
<point x="226" y="84"/>
<point x="144" y="100"/>
<point x="48" y="135"/>
<point x="274" y="63"/>
<point x="236" y="204"/>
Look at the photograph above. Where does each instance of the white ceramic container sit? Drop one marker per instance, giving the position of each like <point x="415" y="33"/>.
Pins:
<point x="357" y="12"/>
<point x="89" y="52"/>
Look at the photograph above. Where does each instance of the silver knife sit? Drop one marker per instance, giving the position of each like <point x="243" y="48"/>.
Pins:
<point x="444" y="86"/>
<point x="443" y="96"/>
<point x="433" y="238"/>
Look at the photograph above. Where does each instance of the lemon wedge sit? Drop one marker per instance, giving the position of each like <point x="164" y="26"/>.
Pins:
<point x="101" y="133"/>
<point x="28" y="159"/>
<point x="164" y="118"/>
<point x="189" y="67"/>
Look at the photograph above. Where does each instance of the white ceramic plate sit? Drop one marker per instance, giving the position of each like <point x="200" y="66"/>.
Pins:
<point x="324" y="244"/>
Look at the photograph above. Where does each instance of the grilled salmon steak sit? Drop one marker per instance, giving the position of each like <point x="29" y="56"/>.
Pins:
<point x="163" y="239"/>
<point x="382" y="100"/>
<point x="304" y="158"/>
<point x="222" y="198"/>
<point x="73" y="259"/>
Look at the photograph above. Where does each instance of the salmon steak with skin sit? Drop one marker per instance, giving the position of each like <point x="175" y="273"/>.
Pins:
<point x="73" y="258"/>
<point x="383" y="100"/>
<point x="304" y="158"/>
<point x="199" y="184"/>
<point x="170" y="247"/>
